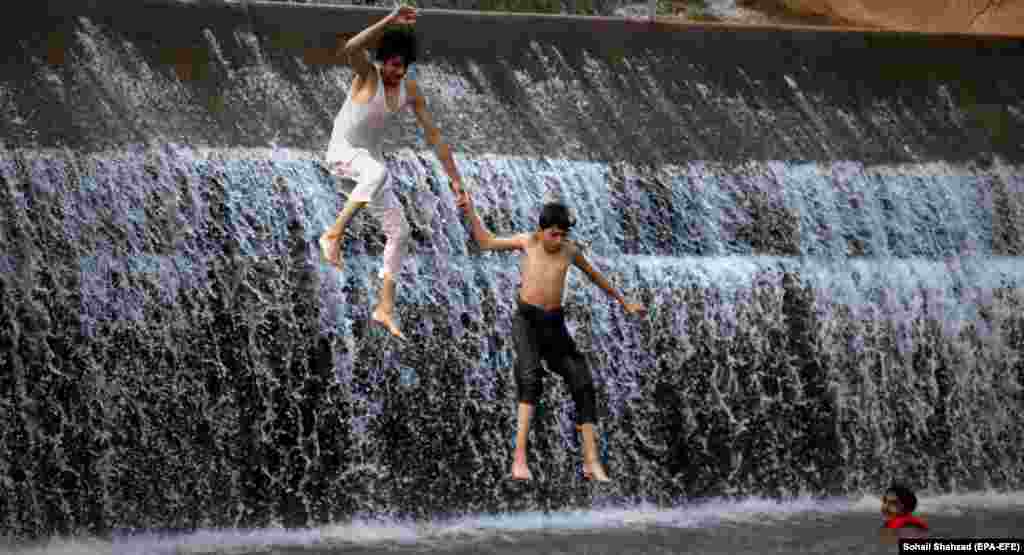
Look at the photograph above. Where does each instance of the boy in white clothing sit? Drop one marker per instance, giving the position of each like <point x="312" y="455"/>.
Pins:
<point x="377" y="94"/>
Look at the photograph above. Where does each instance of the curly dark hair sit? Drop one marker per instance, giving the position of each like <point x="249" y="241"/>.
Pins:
<point x="397" y="41"/>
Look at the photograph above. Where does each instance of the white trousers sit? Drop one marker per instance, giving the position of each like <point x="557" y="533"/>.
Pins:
<point x="372" y="186"/>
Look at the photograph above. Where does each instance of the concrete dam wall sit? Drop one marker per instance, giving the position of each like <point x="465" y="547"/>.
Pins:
<point x="826" y="227"/>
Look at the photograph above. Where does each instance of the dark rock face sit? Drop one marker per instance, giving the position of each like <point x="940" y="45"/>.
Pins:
<point x="826" y="228"/>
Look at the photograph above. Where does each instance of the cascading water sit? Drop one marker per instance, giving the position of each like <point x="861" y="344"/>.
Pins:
<point x="175" y="355"/>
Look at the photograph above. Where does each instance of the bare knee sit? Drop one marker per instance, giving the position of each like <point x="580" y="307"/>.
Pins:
<point x="352" y="205"/>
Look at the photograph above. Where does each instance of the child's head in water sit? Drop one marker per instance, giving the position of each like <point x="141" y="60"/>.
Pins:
<point x="898" y="506"/>
<point x="555" y="222"/>
<point x="898" y="501"/>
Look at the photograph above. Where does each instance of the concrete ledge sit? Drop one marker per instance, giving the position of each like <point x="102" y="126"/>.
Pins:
<point x="566" y="86"/>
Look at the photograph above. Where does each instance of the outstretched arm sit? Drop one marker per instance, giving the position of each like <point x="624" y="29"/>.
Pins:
<point x="600" y="281"/>
<point x="433" y="134"/>
<point x="355" y="48"/>
<point x="482" y="236"/>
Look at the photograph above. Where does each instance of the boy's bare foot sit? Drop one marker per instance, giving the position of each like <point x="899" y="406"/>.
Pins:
<point x="520" y="471"/>
<point x="594" y="471"/>
<point x="331" y="250"/>
<point x="385" y="319"/>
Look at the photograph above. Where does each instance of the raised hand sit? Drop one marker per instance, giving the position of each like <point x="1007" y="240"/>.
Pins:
<point x="634" y="308"/>
<point x="403" y="15"/>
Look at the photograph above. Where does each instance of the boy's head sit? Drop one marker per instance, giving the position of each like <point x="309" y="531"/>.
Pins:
<point x="898" y="500"/>
<point x="555" y="223"/>
<point x="396" y="51"/>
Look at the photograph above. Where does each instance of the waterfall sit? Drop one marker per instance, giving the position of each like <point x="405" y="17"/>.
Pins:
<point x="827" y="312"/>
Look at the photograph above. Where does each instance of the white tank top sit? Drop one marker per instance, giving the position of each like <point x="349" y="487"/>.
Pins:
<point x="364" y="125"/>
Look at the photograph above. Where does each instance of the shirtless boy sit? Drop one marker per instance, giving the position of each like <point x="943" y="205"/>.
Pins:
<point x="539" y="325"/>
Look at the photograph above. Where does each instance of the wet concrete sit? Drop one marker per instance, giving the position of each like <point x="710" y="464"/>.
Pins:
<point x="825" y="226"/>
<point x="568" y="87"/>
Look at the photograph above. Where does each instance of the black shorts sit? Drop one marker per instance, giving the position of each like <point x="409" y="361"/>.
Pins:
<point x="541" y="335"/>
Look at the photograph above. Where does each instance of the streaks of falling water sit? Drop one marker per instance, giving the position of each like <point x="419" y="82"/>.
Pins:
<point x="172" y="335"/>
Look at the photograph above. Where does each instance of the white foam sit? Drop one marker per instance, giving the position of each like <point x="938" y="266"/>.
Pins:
<point x="468" y="529"/>
<point x="951" y="504"/>
<point x="61" y="546"/>
<point x="367" y="531"/>
<point x="705" y="514"/>
<point x="220" y="541"/>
